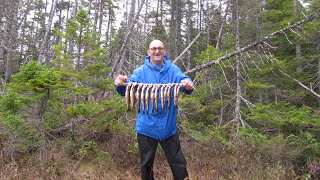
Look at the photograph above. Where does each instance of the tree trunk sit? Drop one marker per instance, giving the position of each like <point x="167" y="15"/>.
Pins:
<point x="77" y="69"/>
<point x="172" y="29"/>
<point x="102" y="5"/>
<point x="2" y="57"/>
<point x="222" y="107"/>
<point x="146" y="19"/>
<point x="208" y="27"/>
<point x="119" y="63"/>
<point x="237" y="118"/>
<point x="161" y="11"/>
<point x="23" y="31"/>
<point x="11" y="38"/>
<point x="178" y="22"/>
<point x="157" y="11"/>
<point x="318" y="72"/>
<point x="44" y="45"/>
<point x="58" y="38"/>
<point x="95" y="15"/>
<point x="219" y="38"/>
<point x="175" y="37"/>
<point x="75" y="8"/>
<point x="189" y="34"/>
<point x="109" y="24"/>
<point x="298" y="46"/>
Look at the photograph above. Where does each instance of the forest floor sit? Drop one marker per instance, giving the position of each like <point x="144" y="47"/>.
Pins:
<point x="113" y="160"/>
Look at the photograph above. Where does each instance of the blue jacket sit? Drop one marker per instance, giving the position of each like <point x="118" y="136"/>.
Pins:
<point x="162" y="124"/>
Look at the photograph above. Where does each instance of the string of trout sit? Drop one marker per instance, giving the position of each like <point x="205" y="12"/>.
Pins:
<point x="143" y="94"/>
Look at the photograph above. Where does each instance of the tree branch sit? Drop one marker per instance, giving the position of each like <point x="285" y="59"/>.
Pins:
<point x="69" y="126"/>
<point x="251" y="45"/>
<point x="304" y="86"/>
<point x="193" y="41"/>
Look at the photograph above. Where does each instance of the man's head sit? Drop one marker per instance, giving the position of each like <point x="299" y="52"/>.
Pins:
<point x="156" y="52"/>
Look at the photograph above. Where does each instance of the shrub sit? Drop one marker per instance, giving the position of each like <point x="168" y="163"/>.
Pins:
<point x="28" y="138"/>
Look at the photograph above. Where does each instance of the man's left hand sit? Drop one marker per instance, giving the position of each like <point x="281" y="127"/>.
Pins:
<point x="187" y="84"/>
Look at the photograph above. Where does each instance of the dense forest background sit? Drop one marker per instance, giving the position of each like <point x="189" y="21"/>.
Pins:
<point x="253" y="115"/>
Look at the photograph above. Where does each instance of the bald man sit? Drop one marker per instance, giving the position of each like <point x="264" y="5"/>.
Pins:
<point x="158" y="127"/>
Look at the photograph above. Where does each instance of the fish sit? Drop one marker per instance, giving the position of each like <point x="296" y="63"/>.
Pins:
<point x="176" y="94"/>
<point x="143" y="97"/>
<point x="127" y="95"/>
<point x="152" y="96"/>
<point x="169" y="94"/>
<point x="138" y="95"/>
<point x="165" y="96"/>
<point x="162" y="96"/>
<point x="156" y="95"/>
<point x="147" y="97"/>
<point x="132" y="94"/>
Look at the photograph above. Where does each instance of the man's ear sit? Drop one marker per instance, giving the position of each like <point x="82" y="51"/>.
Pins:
<point x="148" y="52"/>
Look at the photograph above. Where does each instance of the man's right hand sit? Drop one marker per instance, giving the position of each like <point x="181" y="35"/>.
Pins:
<point x="120" y="80"/>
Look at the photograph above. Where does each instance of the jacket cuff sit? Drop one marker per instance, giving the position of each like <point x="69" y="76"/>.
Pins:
<point x="121" y="90"/>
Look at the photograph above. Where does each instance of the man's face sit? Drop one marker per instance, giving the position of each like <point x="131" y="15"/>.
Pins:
<point x="156" y="52"/>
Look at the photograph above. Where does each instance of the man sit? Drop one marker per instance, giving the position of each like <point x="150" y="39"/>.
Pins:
<point x="161" y="126"/>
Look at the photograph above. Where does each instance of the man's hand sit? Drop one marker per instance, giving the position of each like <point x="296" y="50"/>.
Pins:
<point x="187" y="84"/>
<point x="120" y="80"/>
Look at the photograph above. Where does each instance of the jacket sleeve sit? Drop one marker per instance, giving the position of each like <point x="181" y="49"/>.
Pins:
<point x="181" y="76"/>
<point x="121" y="90"/>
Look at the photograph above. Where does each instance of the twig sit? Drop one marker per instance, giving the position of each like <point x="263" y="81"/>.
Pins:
<point x="286" y="37"/>
<point x="295" y="32"/>
<point x="225" y="77"/>
<point x="248" y="103"/>
<point x="269" y="45"/>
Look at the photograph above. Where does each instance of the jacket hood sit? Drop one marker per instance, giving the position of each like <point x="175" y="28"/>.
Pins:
<point x="160" y="68"/>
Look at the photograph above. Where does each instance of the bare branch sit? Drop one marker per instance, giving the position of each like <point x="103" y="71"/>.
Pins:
<point x="119" y="62"/>
<point x="286" y="37"/>
<point x="248" y="103"/>
<point x="255" y="65"/>
<point x="225" y="77"/>
<point x="301" y="84"/>
<point x="269" y="45"/>
<point x="69" y="126"/>
<point x="193" y="41"/>
<point x="295" y="32"/>
<point x="251" y="45"/>
<point x="187" y="48"/>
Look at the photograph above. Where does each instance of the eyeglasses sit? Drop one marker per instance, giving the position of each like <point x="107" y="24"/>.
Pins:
<point x="154" y="49"/>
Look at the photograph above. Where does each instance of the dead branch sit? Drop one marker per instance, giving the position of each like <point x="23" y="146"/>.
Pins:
<point x="193" y="41"/>
<point x="218" y="45"/>
<point x="69" y="126"/>
<point x="225" y="77"/>
<point x="2" y="86"/>
<point x="187" y="48"/>
<point x="248" y="103"/>
<point x="295" y="32"/>
<point x="120" y="60"/>
<point x="287" y="37"/>
<point x="301" y="84"/>
<point x="269" y="45"/>
<point x="251" y="45"/>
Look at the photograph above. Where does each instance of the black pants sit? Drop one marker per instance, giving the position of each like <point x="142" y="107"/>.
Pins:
<point x="172" y="149"/>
